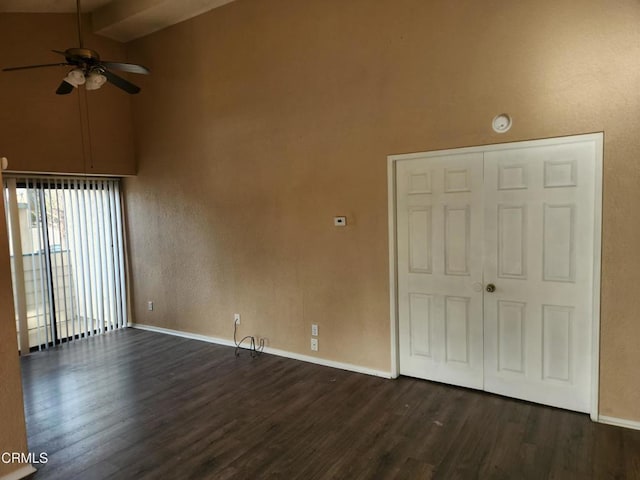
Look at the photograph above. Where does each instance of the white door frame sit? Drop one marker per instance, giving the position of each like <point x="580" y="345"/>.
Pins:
<point x="598" y="139"/>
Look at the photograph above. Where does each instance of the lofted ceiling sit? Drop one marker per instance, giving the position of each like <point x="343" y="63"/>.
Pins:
<point x="50" y="6"/>
<point x="121" y="20"/>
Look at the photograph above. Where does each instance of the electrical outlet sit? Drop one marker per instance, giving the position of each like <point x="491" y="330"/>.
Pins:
<point x="314" y="329"/>
<point x="150" y="306"/>
<point x="236" y="318"/>
<point x="314" y="344"/>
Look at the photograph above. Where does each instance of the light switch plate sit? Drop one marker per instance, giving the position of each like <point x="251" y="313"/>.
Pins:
<point x="340" y="221"/>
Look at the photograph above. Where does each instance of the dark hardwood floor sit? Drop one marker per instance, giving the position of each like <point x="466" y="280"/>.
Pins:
<point x="137" y="405"/>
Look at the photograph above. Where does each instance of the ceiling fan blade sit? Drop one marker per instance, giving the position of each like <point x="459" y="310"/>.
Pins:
<point x="126" y="67"/>
<point x="64" y="88"/>
<point x="9" y="69"/>
<point x="121" y="82"/>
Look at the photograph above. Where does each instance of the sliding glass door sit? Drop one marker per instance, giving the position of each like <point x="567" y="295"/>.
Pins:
<point x="66" y="246"/>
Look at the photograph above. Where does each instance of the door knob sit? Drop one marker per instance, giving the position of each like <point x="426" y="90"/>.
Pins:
<point x="491" y="288"/>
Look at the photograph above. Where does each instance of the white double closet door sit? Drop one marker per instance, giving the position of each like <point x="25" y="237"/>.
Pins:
<point x="495" y="268"/>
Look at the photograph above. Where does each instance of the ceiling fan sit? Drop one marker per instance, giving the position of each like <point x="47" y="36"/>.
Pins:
<point x="88" y="69"/>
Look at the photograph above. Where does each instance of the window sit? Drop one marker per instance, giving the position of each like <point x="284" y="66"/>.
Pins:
<point x="66" y="246"/>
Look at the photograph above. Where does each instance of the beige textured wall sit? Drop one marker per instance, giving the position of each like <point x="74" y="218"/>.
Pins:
<point x="13" y="435"/>
<point x="264" y="119"/>
<point x="43" y="132"/>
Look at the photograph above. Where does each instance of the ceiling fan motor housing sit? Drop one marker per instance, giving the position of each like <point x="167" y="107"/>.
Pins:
<point x="73" y="55"/>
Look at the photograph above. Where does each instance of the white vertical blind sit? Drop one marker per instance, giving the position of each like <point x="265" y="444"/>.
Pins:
<point x="70" y="232"/>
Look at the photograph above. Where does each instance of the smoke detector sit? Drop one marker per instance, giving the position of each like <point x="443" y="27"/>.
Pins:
<point x="501" y="123"/>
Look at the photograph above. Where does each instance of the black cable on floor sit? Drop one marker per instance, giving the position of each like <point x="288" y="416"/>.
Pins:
<point x="254" y="352"/>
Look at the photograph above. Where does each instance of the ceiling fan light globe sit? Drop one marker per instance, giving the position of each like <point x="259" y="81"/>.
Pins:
<point x="95" y="81"/>
<point x="75" y="77"/>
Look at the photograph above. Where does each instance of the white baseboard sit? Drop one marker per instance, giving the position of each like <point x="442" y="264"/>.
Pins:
<point x="272" y="351"/>
<point x="619" y="422"/>
<point x="179" y="333"/>
<point x="328" y="363"/>
<point x="22" y="472"/>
